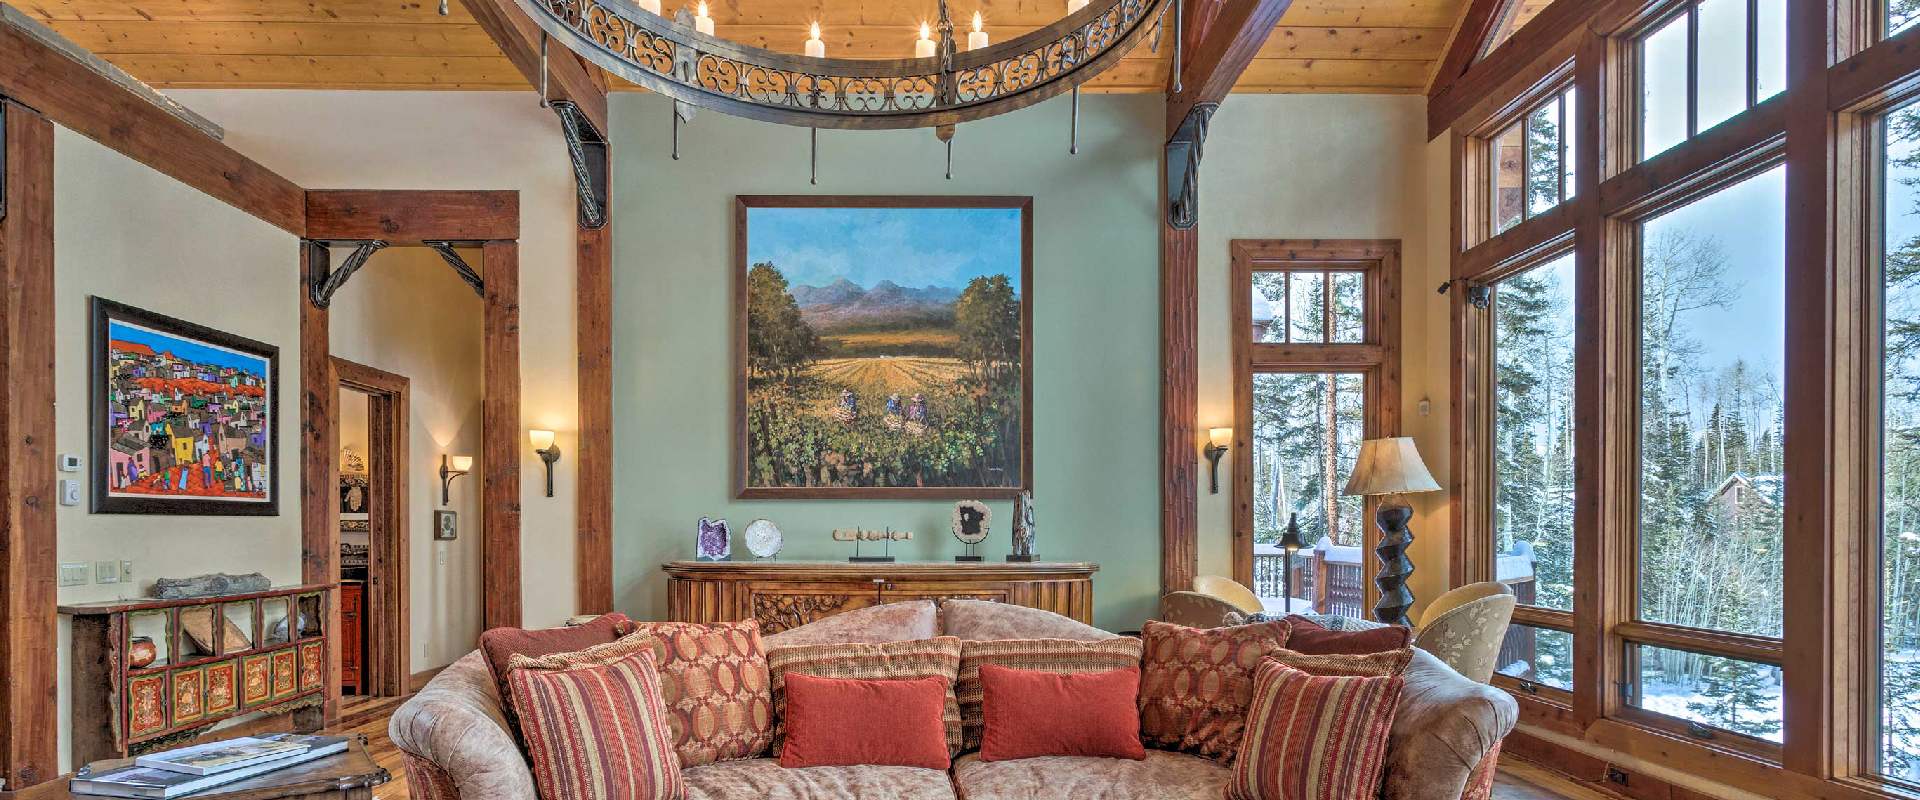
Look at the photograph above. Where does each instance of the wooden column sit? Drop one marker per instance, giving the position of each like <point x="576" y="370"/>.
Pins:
<point x="1179" y="406"/>
<point x="29" y="720"/>
<point x="593" y="490"/>
<point x="500" y="450"/>
<point x="319" y="461"/>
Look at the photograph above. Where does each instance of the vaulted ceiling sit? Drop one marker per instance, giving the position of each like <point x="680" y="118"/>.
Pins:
<point x="1320" y="46"/>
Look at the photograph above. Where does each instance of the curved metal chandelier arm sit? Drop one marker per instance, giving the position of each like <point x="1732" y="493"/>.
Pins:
<point x="761" y="84"/>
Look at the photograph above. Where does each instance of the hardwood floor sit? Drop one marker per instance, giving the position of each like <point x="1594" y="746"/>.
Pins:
<point x="368" y="716"/>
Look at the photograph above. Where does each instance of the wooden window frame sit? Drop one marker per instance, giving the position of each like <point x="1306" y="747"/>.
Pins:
<point x="1843" y="73"/>
<point x="1376" y="358"/>
<point x="1486" y="169"/>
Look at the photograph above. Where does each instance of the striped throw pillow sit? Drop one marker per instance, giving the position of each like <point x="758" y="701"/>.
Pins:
<point x="597" y="731"/>
<point x="1384" y="664"/>
<point x="1059" y="656"/>
<point x="1311" y="737"/>
<point x="938" y="657"/>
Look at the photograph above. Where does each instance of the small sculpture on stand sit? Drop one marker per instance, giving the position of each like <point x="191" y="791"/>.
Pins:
<point x="971" y="521"/>
<point x="1022" y="529"/>
<point x="886" y="538"/>
<point x="714" y="541"/>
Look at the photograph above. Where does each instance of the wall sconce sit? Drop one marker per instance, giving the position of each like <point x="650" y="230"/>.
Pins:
<point x="461" y="466"/>
<point x="1217" y="441"/>
<point x="549" y="453"/>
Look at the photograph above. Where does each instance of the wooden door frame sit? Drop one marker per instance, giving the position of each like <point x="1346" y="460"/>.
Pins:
<point x="389" y="431"/>
<point x="491" y="221"/>
<point x="1376" y="359"/>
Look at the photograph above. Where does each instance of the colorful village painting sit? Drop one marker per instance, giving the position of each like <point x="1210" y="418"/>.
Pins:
<point x="184" y="417"/>
<point x="883" y="347"/>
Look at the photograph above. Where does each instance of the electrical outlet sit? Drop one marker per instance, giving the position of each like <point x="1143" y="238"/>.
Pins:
<point x="73" y="574"/>
<point x="106" y="572"/>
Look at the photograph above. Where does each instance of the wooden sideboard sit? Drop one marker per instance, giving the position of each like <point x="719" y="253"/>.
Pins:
<point x="788" y="594"/>
<point x="213" y="658"/>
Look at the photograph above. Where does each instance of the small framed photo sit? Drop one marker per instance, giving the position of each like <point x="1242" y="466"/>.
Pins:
<point x="446" y="525"/>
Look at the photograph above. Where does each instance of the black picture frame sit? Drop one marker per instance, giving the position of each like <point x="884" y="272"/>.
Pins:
<point x="104" y="500"/>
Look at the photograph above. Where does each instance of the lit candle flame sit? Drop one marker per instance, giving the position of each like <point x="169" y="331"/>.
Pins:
<point x="703" y="9"/>
<point x="925" y="33"/>
<point x="813" y="32"/>
<point x="976" y="21"/>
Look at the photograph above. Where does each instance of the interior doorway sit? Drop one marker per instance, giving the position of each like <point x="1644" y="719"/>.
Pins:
<point x="372" y="537"/>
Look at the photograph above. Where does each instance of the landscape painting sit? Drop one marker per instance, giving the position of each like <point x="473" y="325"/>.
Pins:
<point x="883" y="347"/>
<point x="184" y="417"/>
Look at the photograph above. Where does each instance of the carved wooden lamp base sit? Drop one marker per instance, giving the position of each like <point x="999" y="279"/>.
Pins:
<point x="1395" y="568"/>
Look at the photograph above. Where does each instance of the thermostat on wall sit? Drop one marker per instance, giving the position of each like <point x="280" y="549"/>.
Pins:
<point x="69" y="462"/>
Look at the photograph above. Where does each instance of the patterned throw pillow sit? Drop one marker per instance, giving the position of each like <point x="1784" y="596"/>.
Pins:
<point x="1059" y="656"/>
<point x="1314" y="738"/>
<point x="1387" y="664"/>
<point x="718" y="696"/>
<point x="597" y="731"/>
<point x="1195" y="684"/>
<point x="938" y="657"/>
<point x="500" y="645"/>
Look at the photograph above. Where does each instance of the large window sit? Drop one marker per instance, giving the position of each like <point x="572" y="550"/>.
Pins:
<point x="1899" y="651"/>
<point x="1309" y="347"/>
<point x="1687" y="376"/>
<point x="1711" y="60"/>
<point x="1712" y="338"/>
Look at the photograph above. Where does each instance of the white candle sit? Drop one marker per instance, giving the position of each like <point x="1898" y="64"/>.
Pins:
<point x="978" y="38"/>
<point x="651" y="5"/>
<point x="814" y="47"/>
<point x="1075" y="5"/>
<point x="702" y="22"/>
<point x="923" y="46"/>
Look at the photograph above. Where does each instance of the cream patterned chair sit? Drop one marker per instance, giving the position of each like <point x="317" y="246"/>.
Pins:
<point x="1231" y="591"/>
<point x="1465" y="627"/>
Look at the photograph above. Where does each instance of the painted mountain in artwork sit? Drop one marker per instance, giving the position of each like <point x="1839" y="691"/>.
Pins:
<point x="843" y="306"/>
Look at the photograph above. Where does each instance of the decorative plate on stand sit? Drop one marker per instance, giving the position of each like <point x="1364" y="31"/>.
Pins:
<point x="763" y="538"/>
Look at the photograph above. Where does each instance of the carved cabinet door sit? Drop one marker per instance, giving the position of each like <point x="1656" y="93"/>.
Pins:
<point x="781" y="606"/>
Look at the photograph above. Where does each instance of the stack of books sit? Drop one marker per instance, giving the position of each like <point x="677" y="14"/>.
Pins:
<point x="186" y="770"/>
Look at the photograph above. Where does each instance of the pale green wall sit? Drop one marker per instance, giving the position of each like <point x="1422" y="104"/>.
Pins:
<point x="1096" y="338"/>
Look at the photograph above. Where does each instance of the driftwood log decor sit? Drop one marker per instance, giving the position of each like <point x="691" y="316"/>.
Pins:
<point x="209" y="585"/>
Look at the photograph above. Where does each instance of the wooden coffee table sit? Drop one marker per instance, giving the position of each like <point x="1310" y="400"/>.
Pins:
<point x="343" y="776"/>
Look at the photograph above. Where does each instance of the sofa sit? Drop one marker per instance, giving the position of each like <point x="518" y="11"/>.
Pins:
<point x="1445" y="739"/>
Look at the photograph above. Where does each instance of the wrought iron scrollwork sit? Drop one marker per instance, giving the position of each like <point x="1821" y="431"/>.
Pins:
<point x="1183" y="167"/>
<point x="587" y="149"/>
<point x="326" y="282"/>
<point x="460" y="266"/>
<point x="706" y="71"/>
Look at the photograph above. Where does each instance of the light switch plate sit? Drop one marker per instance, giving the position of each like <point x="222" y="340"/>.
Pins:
<point x="106" y="572"/>
<point x="73" y="574"/>
<point x="126" y="570"/>
<point x="69" y="492"/>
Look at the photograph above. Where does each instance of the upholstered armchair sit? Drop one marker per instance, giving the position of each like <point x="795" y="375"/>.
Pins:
<point x="1196" y="610"/>
<point x="1465" y="627"/>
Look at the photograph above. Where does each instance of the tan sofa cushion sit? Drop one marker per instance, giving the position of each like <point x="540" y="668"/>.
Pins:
<point x="984" y="619"/>
<point x="1445" y="725"/>
<point x="891" y="622"/>
<point x="455" y="723"/>
<point x="1162" y="776"/>
<point x="765" y="779"/>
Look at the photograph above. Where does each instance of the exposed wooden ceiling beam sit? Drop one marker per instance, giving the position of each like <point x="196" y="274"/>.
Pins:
<point x="1546" y="37"/>
<point x="569" y="78"/>
<point x="1223" y="39"/>
<point x="1475" y="26"/>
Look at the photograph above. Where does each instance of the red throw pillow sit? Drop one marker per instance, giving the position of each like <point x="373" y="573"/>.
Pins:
<point x="1314" y="738"/>
<point x="1194" y="684"/>
<point x="500" y="645"/>
<point x="842" y="722"/>
<point x="1315" y="639"/>
<point x="1030" y="712"/>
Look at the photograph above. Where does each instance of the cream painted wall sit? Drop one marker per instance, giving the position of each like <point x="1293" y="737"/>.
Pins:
<point x="406" y="312"/>
<point x="456" y="140"/>
<point x="1326" y="166"/>
<point x="125" y="232"/>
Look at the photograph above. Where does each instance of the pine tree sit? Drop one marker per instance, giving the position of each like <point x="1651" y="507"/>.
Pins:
<point x="1738" y="696"/>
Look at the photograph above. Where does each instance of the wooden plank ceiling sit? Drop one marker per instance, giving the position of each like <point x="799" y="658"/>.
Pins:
<point x="1320" y="45"/>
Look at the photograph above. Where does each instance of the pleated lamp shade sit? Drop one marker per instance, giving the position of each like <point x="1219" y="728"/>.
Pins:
<point x="1389" y="466"/>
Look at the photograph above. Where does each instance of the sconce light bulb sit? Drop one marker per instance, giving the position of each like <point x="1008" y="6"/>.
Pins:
<point x="463" y="463"/>
<point x="1220" y="437"/>
<point x="541" y="439"/>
